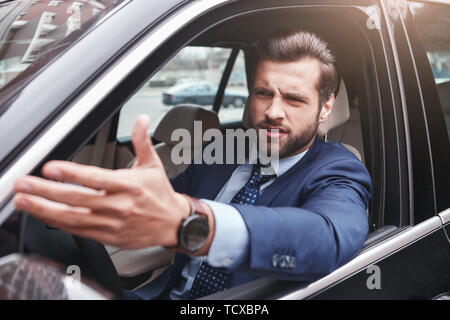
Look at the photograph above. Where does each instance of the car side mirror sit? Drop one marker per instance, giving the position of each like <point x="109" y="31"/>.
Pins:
<point x="35" y="278"/>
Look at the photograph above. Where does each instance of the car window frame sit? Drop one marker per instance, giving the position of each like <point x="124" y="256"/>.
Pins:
<point x="220" y="94"/>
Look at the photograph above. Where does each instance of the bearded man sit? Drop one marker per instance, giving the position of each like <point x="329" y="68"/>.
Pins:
<point x="229" y="223"/>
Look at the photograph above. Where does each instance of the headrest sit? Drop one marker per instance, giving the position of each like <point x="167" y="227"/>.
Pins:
<point x="340" y="112"/>
<point x="444" y="94"/>
<point x="182" y="117"/>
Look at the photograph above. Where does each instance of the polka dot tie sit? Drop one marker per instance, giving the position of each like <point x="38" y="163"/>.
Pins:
<point x="250" y="191"/>
<point x="209" y="279"/>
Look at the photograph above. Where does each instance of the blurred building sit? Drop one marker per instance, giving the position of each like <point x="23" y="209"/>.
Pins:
<point x="31" y="28"/>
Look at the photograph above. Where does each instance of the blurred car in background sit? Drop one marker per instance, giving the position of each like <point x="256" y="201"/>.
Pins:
<point x="202" y="93"/>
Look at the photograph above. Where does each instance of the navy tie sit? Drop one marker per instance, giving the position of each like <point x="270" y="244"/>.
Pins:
<point x="209" y="279"/>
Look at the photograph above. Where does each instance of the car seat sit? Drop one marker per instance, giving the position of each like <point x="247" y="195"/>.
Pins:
<point x="182" y="117"/>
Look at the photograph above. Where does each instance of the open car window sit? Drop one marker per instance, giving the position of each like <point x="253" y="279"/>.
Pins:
<point x="192" y="77"/>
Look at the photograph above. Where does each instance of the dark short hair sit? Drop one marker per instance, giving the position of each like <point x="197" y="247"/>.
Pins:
<point x="294" y="45"/>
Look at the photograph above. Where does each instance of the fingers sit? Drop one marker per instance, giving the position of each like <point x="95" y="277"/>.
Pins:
<point x="63" y="216"/>
<point x="88" y="176"/>
<point x="69" y="194"/>
<point x="76" y="220"/>
<point x="143" y="147"/>
<point x="79" y="221"/>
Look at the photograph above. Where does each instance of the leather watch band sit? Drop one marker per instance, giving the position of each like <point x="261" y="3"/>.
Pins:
<point x="195" y="206"/>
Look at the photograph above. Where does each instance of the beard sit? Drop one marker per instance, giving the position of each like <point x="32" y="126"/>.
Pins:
<point x="294" y="143"/>
<point x="299" y="141"/>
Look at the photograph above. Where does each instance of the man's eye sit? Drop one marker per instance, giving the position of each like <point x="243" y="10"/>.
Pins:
<point x="262" y="93"/>
<point x="296" y="100"/>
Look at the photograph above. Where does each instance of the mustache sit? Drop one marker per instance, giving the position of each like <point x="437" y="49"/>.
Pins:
<point x="272" y="126"/>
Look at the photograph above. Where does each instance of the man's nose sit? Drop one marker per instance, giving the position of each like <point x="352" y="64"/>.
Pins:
<point x="275" y="110"/>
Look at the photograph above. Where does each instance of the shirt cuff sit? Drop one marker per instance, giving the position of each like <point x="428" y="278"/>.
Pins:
<point x="230" y="244"/>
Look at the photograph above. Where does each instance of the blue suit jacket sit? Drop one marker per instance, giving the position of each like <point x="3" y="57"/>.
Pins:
<point x="308" y="222"/>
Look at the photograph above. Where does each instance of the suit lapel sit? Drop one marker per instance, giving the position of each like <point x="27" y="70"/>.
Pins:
<point x="214" y="181"/>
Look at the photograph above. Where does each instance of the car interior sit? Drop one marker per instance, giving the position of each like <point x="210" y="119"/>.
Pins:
<point x="350" y="123"/>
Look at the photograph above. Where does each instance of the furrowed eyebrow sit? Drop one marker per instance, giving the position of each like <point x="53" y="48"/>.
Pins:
<point x="295" y="96"/>
<point x="261" y="89"/>
<point x="288" y="95"/>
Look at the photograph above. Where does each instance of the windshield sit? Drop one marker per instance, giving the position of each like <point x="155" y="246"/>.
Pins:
<point x="30" y="29"/>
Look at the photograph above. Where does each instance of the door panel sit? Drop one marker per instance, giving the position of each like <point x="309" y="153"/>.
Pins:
<point x="420" y="270"/>
<point x="447" y="231"/>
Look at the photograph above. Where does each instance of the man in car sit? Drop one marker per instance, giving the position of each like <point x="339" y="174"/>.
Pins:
<point x="299" y="222"/>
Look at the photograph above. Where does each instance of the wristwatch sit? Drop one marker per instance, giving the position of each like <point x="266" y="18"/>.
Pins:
<point x="194" y="230"/>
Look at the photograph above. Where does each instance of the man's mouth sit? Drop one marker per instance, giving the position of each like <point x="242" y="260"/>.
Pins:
<point x="274" y="131"/>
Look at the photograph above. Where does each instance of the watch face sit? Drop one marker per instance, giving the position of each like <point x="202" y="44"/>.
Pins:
<point x="195" y="232"/>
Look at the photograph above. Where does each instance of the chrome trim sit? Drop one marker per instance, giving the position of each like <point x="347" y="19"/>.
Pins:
<point x="445" y="216"/>
<point x="368" y="257"/>
<point x="100" y="89"/>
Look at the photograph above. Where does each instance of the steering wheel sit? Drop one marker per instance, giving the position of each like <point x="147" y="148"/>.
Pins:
<point x="98" y="264"/>
<point x="64" y="248"/>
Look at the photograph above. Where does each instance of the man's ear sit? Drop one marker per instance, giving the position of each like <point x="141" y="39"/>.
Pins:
<point x="326" y="109"/>
<point x="246" y="115"/>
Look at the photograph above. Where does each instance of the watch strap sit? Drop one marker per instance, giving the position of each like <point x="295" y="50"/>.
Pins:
<point x="196" y="207"/>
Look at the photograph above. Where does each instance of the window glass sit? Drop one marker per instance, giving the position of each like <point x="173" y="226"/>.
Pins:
<point x="236" y="92"/>
<point x="29" y="29"/>
<point x="433" y="25"/>
<point x="190" y="77"/>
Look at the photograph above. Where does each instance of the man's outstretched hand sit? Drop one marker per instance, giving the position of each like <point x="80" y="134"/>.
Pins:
<point x="129" y="208"/>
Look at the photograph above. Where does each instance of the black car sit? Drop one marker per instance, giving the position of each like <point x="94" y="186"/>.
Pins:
<point x="73" y="72"/>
